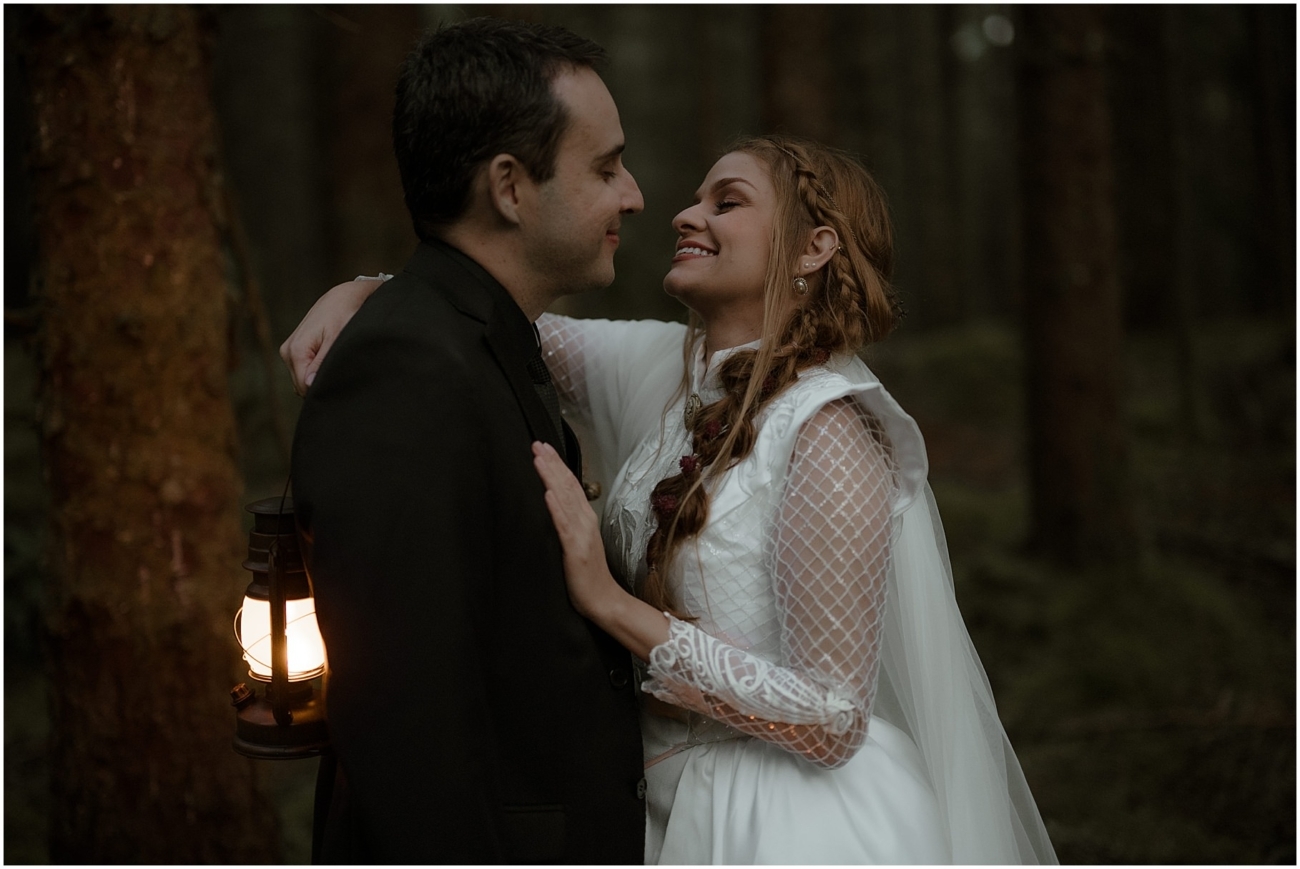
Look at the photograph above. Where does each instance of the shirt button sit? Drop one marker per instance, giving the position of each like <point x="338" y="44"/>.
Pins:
<point x="640" y="789"/>
<point x="618" y="677"/>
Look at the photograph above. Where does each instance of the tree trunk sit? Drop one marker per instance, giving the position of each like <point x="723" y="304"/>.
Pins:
<point x="927" y="171"/>
<point x="369" y="229"/>
<point x="1140" y="95"/>
<point x="797" y="84"/>
<point x="1073" y="329"/>
<point x="1272" y="31"/>
<point x="139" y="445"/>
<point x="1181" y="217"/>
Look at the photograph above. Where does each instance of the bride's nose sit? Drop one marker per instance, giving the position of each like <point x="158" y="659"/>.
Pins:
<point x="689" y="219"/>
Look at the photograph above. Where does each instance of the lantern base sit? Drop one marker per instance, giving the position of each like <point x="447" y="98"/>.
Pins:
<point x="257" y="735"/>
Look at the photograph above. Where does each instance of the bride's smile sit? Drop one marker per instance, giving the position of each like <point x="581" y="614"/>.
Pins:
<point x="724" y="239"/>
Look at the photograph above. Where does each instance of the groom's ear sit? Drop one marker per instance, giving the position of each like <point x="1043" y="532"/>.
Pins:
<point x="505" y="178"/>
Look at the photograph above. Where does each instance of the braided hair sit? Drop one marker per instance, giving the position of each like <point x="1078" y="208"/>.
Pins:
<point x="849" y="303"/>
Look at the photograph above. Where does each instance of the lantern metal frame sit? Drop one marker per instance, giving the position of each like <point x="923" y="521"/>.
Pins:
<point x="288" y="721"/>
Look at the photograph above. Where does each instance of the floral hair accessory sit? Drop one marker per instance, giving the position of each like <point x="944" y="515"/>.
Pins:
<point x="712" y="429"/>
<point x="689" y="464"/>
<point x="821" y="356"/>
<point x="664" y="505"/>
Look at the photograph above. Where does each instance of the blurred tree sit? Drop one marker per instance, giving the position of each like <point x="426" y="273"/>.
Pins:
<point x="1272" y="47"/>
<point x="1080" y="503"/>
<point x="368" y="229"/>
<point x="267" y="62"/>
<point x="268" y="69"/>
<point x="1184" y="275"/>
<point x="1138" y="90"/>
<point x="797" y="75"/>
<point x="139" y="444"/>
<point x="891" y="67"/>
<point x="979" y="92"/>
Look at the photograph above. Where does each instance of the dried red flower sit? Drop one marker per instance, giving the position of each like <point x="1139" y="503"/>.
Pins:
<point x="821" y="356"/>
<point x="712" y="429"/>
<point x="664" y="505"/>
<point x="689" y="464"/>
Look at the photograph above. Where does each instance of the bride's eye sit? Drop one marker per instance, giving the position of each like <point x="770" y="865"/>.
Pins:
<point x="726" y="205"/>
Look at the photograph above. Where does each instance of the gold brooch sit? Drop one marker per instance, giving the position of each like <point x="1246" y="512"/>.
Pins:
<point x="693" y="405"/>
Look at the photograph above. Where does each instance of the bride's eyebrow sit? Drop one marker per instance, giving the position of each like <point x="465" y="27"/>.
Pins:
<point x="725" y="182"/>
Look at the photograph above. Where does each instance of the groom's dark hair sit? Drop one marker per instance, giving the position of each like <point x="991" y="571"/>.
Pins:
<point x="470" y="91"/>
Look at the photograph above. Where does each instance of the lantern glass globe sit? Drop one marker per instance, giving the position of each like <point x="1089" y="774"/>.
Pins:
<point x="305" y="645"/>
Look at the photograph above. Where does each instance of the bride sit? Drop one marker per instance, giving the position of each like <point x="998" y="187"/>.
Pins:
<point x="770" y="551"/>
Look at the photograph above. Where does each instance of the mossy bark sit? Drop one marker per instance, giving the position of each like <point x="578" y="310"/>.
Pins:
<point x="139" y="443"/>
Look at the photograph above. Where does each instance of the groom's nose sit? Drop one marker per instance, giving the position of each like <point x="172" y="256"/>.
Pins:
<point x="633" y="202"/>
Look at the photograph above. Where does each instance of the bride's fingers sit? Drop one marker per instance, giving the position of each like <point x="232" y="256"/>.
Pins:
<point x="553" y="471"/>
<point x="561" y="486"/>
<point x="309" y="370"/>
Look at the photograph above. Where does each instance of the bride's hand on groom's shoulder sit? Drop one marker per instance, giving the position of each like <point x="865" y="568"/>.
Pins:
<point x="305" y="349"/>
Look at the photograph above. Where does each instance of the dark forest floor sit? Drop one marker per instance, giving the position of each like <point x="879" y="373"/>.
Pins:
<point x="1152" y="708"/>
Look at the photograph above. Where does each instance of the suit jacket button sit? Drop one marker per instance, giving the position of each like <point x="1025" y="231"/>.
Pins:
<point x="640" y="789"/>
<point x="618" y="677"/>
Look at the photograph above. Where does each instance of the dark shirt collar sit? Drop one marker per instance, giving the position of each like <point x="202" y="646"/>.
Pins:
<point x="475" y="292"/>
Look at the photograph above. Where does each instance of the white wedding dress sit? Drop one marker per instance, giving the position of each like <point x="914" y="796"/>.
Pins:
<point x="827" y="706"/>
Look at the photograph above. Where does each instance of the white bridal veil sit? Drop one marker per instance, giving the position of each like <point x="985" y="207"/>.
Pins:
<point x="933" y="686"/>
<point x="931" y="683"/>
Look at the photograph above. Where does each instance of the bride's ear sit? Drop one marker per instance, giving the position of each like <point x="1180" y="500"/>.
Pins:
<point x="821" y="245"/>
<point x="505" y="176"/>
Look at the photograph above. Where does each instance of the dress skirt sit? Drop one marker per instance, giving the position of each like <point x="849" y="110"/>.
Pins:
<point x="746" y="801"/>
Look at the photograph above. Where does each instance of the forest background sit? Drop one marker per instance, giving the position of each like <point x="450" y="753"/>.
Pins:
<point x="1095" y="215"/>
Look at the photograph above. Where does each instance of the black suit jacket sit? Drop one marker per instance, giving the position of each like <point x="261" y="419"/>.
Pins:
<point x="476" y="717"/>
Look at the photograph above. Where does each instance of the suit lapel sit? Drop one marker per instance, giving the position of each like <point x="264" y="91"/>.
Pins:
<point x="509" y="335"/>
<point x="516" y="372"/>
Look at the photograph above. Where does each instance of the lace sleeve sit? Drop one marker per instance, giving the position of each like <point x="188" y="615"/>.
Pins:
<point x="565" y="346"/>
<point x="614" y="378"/>
<point x="831" y="559"/>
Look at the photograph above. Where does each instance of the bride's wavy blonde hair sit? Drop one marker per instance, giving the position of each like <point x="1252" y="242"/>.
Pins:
<point x="849" y="304"/>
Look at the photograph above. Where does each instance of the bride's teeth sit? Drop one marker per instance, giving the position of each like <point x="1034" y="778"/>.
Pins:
<point x="698" y="251"/>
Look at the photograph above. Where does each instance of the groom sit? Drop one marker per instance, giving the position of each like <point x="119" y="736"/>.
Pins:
<point x="475" y="716"/>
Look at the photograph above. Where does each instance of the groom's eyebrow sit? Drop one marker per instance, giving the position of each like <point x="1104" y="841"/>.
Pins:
<point x="611" y="153"/>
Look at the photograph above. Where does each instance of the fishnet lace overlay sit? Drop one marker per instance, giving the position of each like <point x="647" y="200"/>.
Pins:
<point x="614" y="379"/>
<point x="830" y="560"/>
<point x="565" y="346"/>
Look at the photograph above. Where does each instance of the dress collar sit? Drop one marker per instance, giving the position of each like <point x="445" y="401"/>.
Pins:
<point x="704" y="380"/>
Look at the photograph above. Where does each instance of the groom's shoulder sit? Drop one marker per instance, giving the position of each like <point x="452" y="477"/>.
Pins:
<point x="405" y="334"/>
<point x="411" y="310"/>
